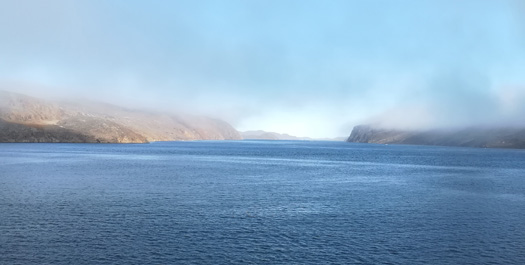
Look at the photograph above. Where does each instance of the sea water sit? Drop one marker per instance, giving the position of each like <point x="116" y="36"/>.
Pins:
<point x="260" y="202"/>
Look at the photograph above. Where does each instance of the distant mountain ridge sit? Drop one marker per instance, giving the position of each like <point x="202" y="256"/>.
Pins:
<point x="29" y="119"/>
<point x="485" y="137"/>
<point x="264" y="135"/>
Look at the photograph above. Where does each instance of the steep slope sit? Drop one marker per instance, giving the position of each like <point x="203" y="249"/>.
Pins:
<point x="509" y="137"/>
<point x="28" y="119"/>
<point x="22" y="133"/>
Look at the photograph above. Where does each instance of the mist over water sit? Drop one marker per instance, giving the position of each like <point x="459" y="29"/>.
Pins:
<point x="454" y="100"/>
<point x="307" y="68"/>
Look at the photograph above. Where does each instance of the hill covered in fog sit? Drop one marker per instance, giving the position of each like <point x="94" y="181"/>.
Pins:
<point x="29" y="119"/>
<point x="486" y="137"/>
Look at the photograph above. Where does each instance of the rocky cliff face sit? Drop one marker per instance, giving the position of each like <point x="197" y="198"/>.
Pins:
<point x="28" y="119"/>
<point x="508" y="137"/>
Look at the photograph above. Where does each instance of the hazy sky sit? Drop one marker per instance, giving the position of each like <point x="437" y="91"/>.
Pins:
<point x="307" y="68"/>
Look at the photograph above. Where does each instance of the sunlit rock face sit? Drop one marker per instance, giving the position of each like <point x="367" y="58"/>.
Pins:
<point x="28" y="119"/>
<point x="488" y="137"/>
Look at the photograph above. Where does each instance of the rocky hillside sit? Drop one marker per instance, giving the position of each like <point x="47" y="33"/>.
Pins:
<point x="509" y="137"/>
<point x="29" y="119"/>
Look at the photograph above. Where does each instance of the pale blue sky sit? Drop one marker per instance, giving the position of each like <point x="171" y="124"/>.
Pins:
<point x="308" y="68"/>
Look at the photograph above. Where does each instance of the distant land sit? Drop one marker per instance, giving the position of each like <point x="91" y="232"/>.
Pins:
<point x="29" y="119"/>
<point x="484" y="137"/>
<point x="264" y="135"/>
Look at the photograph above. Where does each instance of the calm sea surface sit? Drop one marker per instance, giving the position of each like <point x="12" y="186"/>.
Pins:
<point x="260" y="202"/>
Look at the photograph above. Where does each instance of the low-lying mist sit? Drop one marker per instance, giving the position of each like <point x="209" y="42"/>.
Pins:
<point x="456" y="100"/>
<point x="304" y="68"/>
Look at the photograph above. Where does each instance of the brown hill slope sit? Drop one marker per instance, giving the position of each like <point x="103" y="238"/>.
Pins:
<point x="28" y="119"/>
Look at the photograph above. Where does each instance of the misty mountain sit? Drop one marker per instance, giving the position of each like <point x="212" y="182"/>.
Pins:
<point x="485" y="137"/>
<point x="263" y="135"/>
<point x="29" y="119"/>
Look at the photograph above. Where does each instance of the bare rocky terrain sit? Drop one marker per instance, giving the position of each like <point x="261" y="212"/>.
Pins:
<point x="29" y="119"/>
<point x="485" y="137"/>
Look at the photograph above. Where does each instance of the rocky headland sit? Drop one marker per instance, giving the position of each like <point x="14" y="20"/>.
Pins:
<point x="29" y="119"/>
<point x="485" y="137"/>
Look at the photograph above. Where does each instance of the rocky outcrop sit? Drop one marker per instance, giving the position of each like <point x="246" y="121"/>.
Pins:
<point x="508" y="137"/>
<point x="29" y="119"/>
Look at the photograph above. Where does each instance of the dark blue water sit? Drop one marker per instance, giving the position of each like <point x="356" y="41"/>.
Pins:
<point x="260" y="202"/>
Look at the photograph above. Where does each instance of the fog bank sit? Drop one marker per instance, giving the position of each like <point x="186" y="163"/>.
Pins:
<point x="306" y="68"/>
